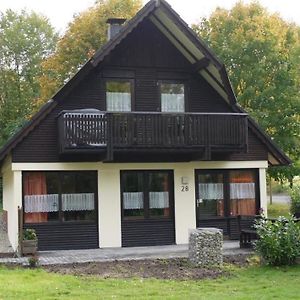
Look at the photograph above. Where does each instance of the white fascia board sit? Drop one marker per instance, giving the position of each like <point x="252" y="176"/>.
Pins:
<point x="178" y="33"/>
<point x="212" y="82"/>
<point x="173" y="41"/>
<point x="81" y="166"/>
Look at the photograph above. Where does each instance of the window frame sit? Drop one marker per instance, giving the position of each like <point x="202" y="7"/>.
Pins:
<point x="147" y="216"/>
<point x="226" y="190"/>
<point x="132" y="91"/>
<point x="60" y="212"/>
<point x="173" y="81"/>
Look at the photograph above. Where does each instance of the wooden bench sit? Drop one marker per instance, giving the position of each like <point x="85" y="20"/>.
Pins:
<point x="246" y="229"/>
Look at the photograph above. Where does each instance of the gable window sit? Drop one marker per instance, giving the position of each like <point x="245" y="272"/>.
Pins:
<point x="118" y="95"/>
<point x="172" y="97"/>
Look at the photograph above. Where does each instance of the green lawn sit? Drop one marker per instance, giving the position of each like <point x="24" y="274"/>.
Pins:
<point x="250" y="283"/>
<point x="278" y="209"/>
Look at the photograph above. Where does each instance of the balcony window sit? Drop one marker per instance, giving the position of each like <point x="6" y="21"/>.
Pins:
<point x="118" y="95"/>
<point x="172" y="97"/>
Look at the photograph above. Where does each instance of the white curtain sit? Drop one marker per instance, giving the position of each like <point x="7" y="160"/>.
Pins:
<point x="118" y="101"/>
<point x="172" y="102"/>
<point x="40" y="203"/>
<point x="242" y="190"/>
<point x="211" y="191"/>
<point x="77" y="202"/>
<point x="134" y="200"/>
<point x="159" y="199"/>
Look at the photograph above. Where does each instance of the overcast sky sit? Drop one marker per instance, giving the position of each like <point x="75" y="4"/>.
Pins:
<point x="60" y="12"/>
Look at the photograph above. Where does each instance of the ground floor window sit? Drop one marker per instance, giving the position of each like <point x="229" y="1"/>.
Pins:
<point x="223" y="193"/>
<point x="146" y="194"/>
<point x="59" y="196"/>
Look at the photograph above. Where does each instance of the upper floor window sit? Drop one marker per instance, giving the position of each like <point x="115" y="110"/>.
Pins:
<point x="118" y="95"/>
<point x="172" y="97"/>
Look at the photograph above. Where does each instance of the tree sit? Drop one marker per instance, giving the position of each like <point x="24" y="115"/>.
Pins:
<point x="262" y="55"/>
<point x="85" y="34"/>
<point x="25" y="40"/>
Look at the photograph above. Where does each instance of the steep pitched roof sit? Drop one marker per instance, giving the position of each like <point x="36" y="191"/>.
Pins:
<point x="203" y="60"/>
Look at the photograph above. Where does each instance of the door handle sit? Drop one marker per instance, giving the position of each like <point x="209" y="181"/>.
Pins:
<point x="198" y="201"/>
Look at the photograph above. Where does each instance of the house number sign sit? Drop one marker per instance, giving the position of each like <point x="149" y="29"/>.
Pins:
<point x="184" y="188"/>
<point x="184" y="184"/>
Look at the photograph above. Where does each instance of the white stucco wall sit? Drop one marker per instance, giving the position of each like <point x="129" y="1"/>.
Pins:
<point x="109" y="201"/>
<point x="185" y="211"/>
<point x="109" y="208"/>
<point x="12" y="198"/>
<point x="263" y="190"/>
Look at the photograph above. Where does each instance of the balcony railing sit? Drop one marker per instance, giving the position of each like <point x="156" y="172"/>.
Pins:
<point x="90" y="131"/>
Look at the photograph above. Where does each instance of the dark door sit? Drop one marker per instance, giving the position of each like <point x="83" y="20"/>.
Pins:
<point x="147" y="208"/>
<point x="222" y="195"/>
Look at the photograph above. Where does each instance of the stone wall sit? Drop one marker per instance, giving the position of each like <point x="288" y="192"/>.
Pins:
<point x="3" y="220"/>
<point x="206" y="247"/>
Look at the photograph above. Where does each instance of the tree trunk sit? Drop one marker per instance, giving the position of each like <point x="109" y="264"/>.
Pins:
<point x="290" y="179"/>
<point x="270" y="191"/>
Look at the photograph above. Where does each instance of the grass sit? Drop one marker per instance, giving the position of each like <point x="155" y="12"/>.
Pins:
<point x="278" y="209"/>
<point x="248" y="283"/>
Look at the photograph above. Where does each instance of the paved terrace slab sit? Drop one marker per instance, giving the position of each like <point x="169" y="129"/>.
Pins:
<point x="112" y="254"/>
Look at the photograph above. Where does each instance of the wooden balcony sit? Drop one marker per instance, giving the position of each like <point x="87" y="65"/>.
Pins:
<point x="88" y="132"/>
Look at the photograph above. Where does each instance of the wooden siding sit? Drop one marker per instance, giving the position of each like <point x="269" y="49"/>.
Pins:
<point x="220" y="223"/>
<point x="146" y="46"/>
<point x="256" y="150"/>
<point x="228" y="225"/>
<point x="148" y="232"/>
<point x="145" y="56"/>
<point x="65" y="236"/>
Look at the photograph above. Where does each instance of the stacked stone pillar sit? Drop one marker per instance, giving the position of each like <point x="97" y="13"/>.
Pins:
<point x="206" y="247"/>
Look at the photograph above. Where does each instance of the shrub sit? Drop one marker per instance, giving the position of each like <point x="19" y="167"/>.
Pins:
<point x="29" y="234"/>
<point x="278" y="240"/>
<point x="295" y="199"/>
<point x="33" y="261"/>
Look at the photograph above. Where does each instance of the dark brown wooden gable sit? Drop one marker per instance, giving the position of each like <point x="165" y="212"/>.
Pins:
<point x="146" y="46"/>
<point x="256" y="151"/>
<point x="145" y="56"/>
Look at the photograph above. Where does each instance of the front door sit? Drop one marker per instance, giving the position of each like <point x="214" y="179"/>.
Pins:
<point x="222" y="195"/>
<point x="147" y="208"/>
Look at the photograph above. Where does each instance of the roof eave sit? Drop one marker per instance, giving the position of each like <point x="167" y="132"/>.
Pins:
<point x="274" y="149"/>
<point x="26" y="129"/>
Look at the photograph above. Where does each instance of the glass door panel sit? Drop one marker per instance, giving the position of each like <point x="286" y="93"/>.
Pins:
<point x="210" y="195"/>
<point x="133" y="194"/>
<point x="242" y="192"/>
<point x="159" y="187"/>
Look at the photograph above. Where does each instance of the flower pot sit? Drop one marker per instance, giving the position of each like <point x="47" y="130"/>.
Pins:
<point x="29" y="247"/>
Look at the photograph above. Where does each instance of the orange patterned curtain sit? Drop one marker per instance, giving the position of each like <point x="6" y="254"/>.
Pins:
<point x="242" y="204"/>
<point x="35" y="184"/>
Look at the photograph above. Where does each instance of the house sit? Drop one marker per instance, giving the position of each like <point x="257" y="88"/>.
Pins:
<point x="145" y="142"/>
